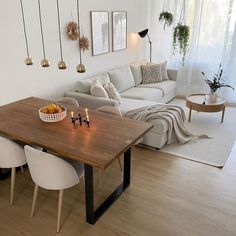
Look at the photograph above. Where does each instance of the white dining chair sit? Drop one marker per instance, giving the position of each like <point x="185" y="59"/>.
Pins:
<point x="12" y="155"/>
<point x="112" y="111"/>
<point x="51" y="173"/>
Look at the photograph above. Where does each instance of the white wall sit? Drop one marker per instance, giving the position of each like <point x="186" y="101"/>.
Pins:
<point x="18" y="81"/>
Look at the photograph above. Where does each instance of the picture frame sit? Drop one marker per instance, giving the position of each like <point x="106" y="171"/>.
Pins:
<point x="119" y="30"/>
<point x="100" y="32"/>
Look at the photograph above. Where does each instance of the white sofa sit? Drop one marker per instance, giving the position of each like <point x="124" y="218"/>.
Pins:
<point x="128" y="82"/>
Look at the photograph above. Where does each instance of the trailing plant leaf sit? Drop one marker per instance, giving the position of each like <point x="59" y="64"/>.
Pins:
<point x="216" y="83"/>
<point x="166" y="18"/>
<point x="181" y="36"/>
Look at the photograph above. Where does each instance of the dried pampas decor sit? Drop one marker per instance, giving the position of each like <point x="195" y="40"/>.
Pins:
<point x="72" y="31"/>
<point x="84" y="43"/>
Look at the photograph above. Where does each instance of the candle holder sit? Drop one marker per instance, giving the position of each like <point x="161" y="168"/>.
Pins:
<point x="82" y="120"/>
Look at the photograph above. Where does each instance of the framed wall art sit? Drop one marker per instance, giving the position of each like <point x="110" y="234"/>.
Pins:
<point x="100" y="32"/>
<point x="119" y="30"/>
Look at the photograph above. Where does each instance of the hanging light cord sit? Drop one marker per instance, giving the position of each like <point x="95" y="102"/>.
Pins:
<point x="23" y="19"/>
<point x="59" y="28"/>
<point x="41" y="27"/>
<point x="78" y="15"/>
<point x="182" y="16"/>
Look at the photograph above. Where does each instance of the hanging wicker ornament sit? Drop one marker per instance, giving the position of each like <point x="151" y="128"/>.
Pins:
<point x="28" y="60"/>
<point x="80" y="68"/>
<point x="44" y="62"/>
<point x="61" y="64"/>
<point x="72" y="31"/>
<point x="84" y="43"/>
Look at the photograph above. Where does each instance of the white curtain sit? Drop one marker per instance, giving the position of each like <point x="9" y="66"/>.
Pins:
<point x="212" y="41"/>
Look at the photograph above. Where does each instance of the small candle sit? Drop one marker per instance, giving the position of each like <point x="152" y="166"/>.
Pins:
<point x="72" y="114"/>
<point x="87" y="115"/>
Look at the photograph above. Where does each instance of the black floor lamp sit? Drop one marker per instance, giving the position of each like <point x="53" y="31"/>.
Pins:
<point x="143" y="34"/>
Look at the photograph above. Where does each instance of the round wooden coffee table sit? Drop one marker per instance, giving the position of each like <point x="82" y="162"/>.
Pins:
<point x="198" y="102"/>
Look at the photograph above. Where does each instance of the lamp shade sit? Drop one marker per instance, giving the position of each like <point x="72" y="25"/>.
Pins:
<point x="143" y="33"/>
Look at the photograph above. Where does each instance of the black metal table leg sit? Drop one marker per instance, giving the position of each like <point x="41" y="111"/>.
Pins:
<point x="93" y="215"/>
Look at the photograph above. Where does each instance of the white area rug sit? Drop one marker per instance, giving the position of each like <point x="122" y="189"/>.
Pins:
<point x="213" y="151"/>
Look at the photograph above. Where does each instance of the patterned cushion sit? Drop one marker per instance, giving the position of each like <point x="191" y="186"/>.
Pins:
<point x="112" y="92"/>
<point x="151" y="73"/>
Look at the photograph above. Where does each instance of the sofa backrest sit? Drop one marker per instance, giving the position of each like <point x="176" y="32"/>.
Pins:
<point x="122" y="78"/>
<point x="83" y="85"/>
<point x="137" y="71"/>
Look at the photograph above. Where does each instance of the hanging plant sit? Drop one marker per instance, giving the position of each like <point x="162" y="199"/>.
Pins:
<point x="181" y="35"/>
<point x="180" y="39"/>
<point x="166" y="18"/>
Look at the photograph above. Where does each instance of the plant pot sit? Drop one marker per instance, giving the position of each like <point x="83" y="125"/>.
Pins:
<point x="212" y="97"/>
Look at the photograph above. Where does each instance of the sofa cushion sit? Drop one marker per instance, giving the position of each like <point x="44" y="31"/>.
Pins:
<point x="164" y="73"/>
<point x="122" y="78"/>
<point x="165" y="86"/>
<point x="151" y="73"/>
<point x="150" y="94"/>
<point x="97" y="89"/>
<point x="137" y="71"/>
<point x="83" y="85"/>
<point x="112" y="92"/>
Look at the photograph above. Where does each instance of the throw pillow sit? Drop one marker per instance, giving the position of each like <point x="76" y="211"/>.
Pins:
<point x="112" y="92"/>
<point x="137" y="71"/>
<point x="164" y="71"/>
<point x="97" y="89"/>
<point x="151" y="73"/>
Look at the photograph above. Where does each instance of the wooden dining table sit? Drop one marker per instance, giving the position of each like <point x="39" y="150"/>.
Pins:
<point x="97" y="146"/>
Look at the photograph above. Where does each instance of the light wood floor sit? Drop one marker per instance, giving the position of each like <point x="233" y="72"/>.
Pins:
<point x="167" y="196"/>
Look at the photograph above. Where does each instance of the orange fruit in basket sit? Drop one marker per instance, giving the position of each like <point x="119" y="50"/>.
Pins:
<point x="44" y="110"/>
<point x="52" y="106"/>
<point x="59" y="109"/>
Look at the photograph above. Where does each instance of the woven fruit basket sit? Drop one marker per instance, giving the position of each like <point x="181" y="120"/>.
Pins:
<point x="52" y="117"/>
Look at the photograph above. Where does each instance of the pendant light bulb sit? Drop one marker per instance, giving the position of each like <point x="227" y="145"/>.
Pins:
<point x="45" y="63"/>
<point x="29" y="61"/>
<point x="81" y="68"/>
<point x="62" y="65"/>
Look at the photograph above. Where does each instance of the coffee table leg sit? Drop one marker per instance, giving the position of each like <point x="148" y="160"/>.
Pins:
<point x="223" y="115"/>
<point x="190" y="113"/>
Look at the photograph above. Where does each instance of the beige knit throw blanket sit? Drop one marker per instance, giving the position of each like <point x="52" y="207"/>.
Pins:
<point x="173" y="115"/>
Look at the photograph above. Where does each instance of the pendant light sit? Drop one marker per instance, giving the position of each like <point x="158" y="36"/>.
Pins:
<point x="61" y="64"/>
<point x="80" y="68"/>
<point x="44" y="62"/>
<point x="28" y="60"/>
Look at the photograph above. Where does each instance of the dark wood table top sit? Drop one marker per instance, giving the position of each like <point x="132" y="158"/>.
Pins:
<point x="99" y="146"/>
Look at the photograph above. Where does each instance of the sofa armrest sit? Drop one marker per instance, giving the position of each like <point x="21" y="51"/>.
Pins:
<point x="92" y="102"/>
<point x="173" y="74"/>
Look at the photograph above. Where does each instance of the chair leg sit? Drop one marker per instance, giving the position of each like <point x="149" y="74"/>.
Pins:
<point x="100" y="179"/>
<point x="60" y="200"/>
<point x="34" y="200"/>
<point x="121" y="168"/>
<point x="13" y="178"/>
